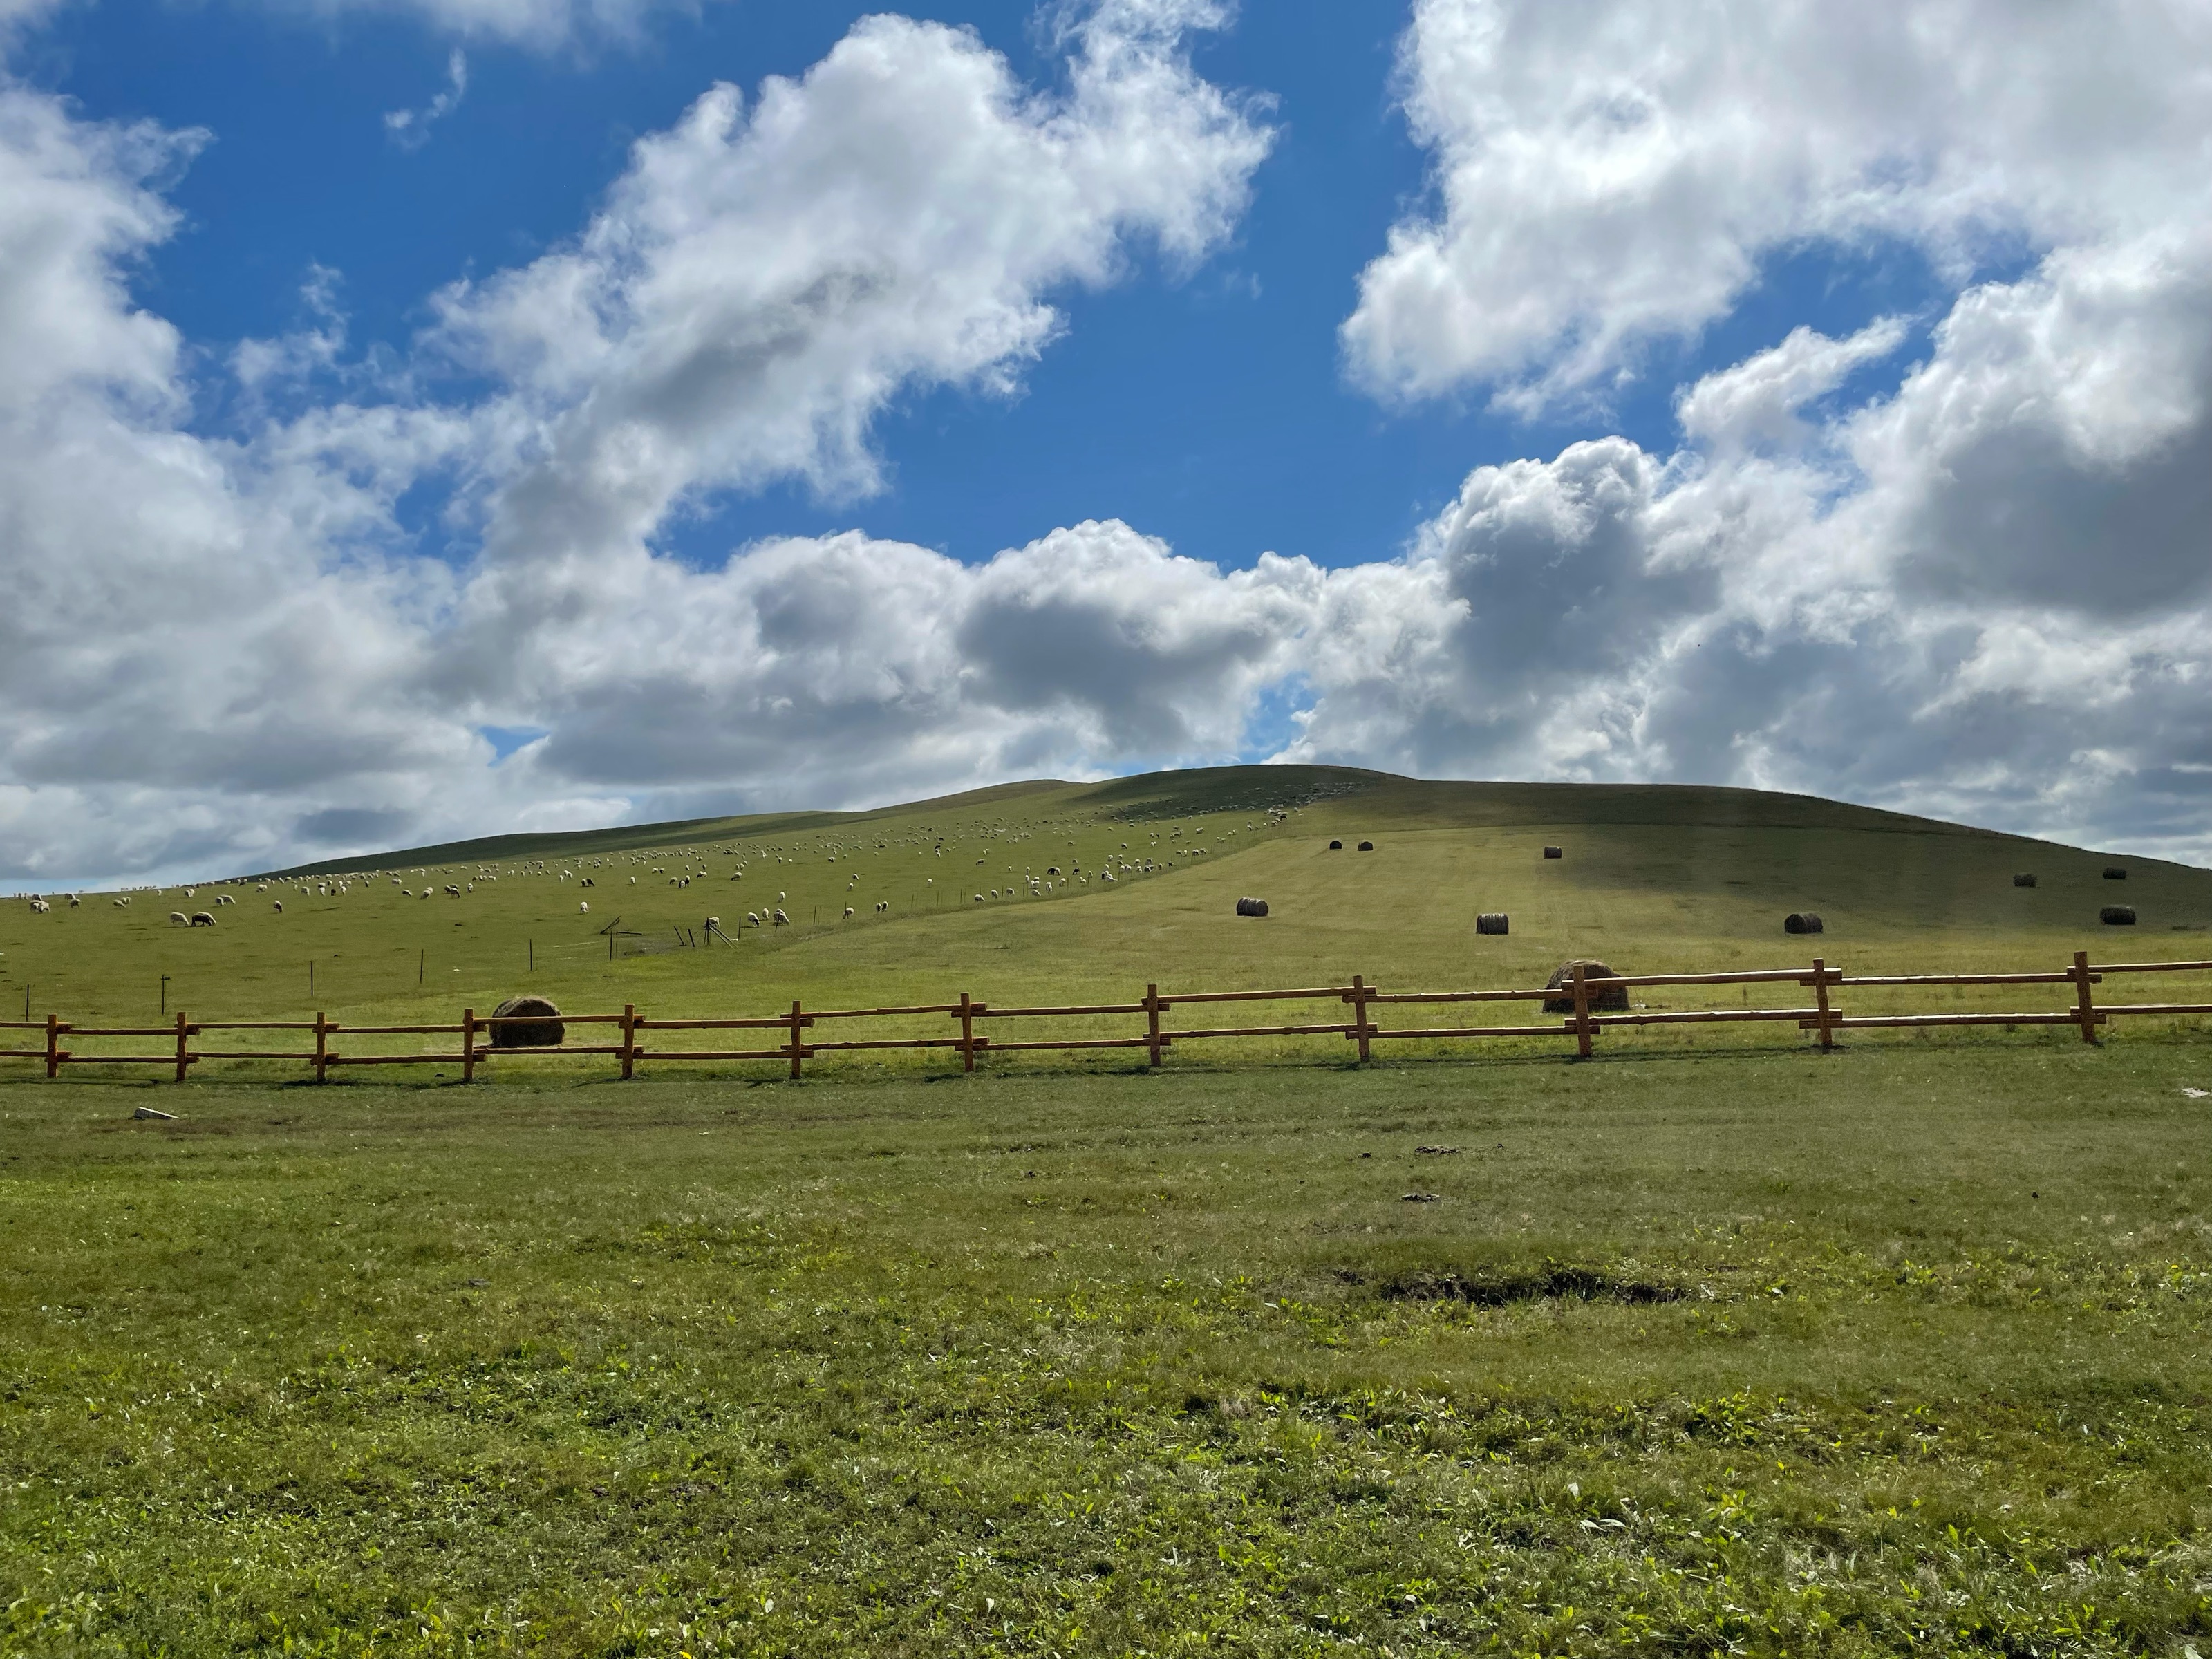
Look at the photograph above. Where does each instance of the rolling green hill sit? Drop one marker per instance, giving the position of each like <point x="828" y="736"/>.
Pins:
<point x="1052" y="889"/>
<point x="1707" y="1347"/>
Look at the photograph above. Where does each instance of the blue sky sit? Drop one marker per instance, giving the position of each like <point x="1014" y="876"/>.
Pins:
<point x="1621" y="392"/>
<point x="1210" y="407"/>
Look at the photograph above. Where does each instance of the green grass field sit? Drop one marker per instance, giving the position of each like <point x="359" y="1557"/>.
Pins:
<point x="1887" y="1351"/>
<point x="1712" y="1345"/>
<point x="1654" y="879"/>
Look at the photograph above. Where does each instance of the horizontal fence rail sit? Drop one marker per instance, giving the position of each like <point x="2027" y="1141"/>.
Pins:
<point x="790" y="1038"/>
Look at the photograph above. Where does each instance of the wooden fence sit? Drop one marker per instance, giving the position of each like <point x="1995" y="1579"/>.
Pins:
<point x="971" y="1022"/>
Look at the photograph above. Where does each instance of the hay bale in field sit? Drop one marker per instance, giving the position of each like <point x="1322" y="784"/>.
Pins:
<point x="1336" y="847"/>
<point x="1366" y="846"/>
<point x="2117" y="915"/>
<point x="1493" y="921"/>
<point x="1607" y="999"/>
<point x="2116" y="873"/>
<point x="1251" y="907"/>
<point x="1803" y="922"/>
<point x="2023" y="879"/>
<point x="538" y="1025"/>
<point x="1555" y="852"/>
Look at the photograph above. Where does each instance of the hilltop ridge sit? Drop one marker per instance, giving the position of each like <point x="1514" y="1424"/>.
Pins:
<point x="1145" y="797"/>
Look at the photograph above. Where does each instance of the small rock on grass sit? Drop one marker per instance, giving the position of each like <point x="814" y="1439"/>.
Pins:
<point x="158" y="1117"/>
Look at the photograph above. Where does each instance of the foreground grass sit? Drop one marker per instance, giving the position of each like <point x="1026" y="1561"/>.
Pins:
<point x="1890" y="1350"/>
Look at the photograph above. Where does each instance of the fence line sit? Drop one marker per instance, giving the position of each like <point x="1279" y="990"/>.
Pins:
<point x="1579" y="994"/>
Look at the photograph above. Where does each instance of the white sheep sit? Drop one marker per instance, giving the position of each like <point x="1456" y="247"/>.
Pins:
<point x="848" y="913"/>
<point x="178" y="918"/>
<point x="279" y="903"/>
<point x="585" y="907"/>
<point x="781" y="920"/>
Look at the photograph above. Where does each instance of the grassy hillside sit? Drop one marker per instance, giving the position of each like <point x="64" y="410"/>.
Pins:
<point x="1708" y="1346"/>
<point x="1654" y="877"/>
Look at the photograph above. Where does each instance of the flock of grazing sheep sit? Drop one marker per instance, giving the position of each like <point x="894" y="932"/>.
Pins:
<point x="1119" y="863"/>
<point x="871" y="854"/>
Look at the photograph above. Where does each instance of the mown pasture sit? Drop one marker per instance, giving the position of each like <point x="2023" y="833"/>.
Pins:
<point x="1900" y="1349"/>
<point x="1654" y="879"/>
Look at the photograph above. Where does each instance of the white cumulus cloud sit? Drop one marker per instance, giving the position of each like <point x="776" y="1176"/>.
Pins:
<point x="1953" y="564"/>
<point x="225" y="648"/>
<point x="1609" y="173"/>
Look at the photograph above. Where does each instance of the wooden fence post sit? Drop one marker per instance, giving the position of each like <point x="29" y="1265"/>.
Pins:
<point x="1583" y="1027"/>
<point x="2084" y="1009"/>
<point x="183" y="1058"/>
<point x="1820" y="1000"/>
<point x="798" y="1051"/>
<point x="1152" y="1024"/>
<point x="322" y="1048"/>
<point x="54" y="1045"/>
<point x="1358" y="998"/>
<point x="468" y="1045"/>
<point x="629" y="1039"/>
<point x="967" y="1033"/>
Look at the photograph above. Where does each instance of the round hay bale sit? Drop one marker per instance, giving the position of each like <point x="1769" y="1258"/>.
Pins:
<point x="1493" y="921"/>
<point x="545" y="1032"/>
<point x="1555" y="852"/>
<point x="1803" y="922"/>
<point x="1607" y="999"/>
<point x="1366" y="846"/>
<point x="2117" y="915"/>
<point x="1251" y="907"/>
<point x="1336" y="847"/>
<point x="2116" y="873"/>
<point x="2023" y="879"/>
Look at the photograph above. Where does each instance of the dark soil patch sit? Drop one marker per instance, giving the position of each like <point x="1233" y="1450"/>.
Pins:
<point x="1554" y="1280"/>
